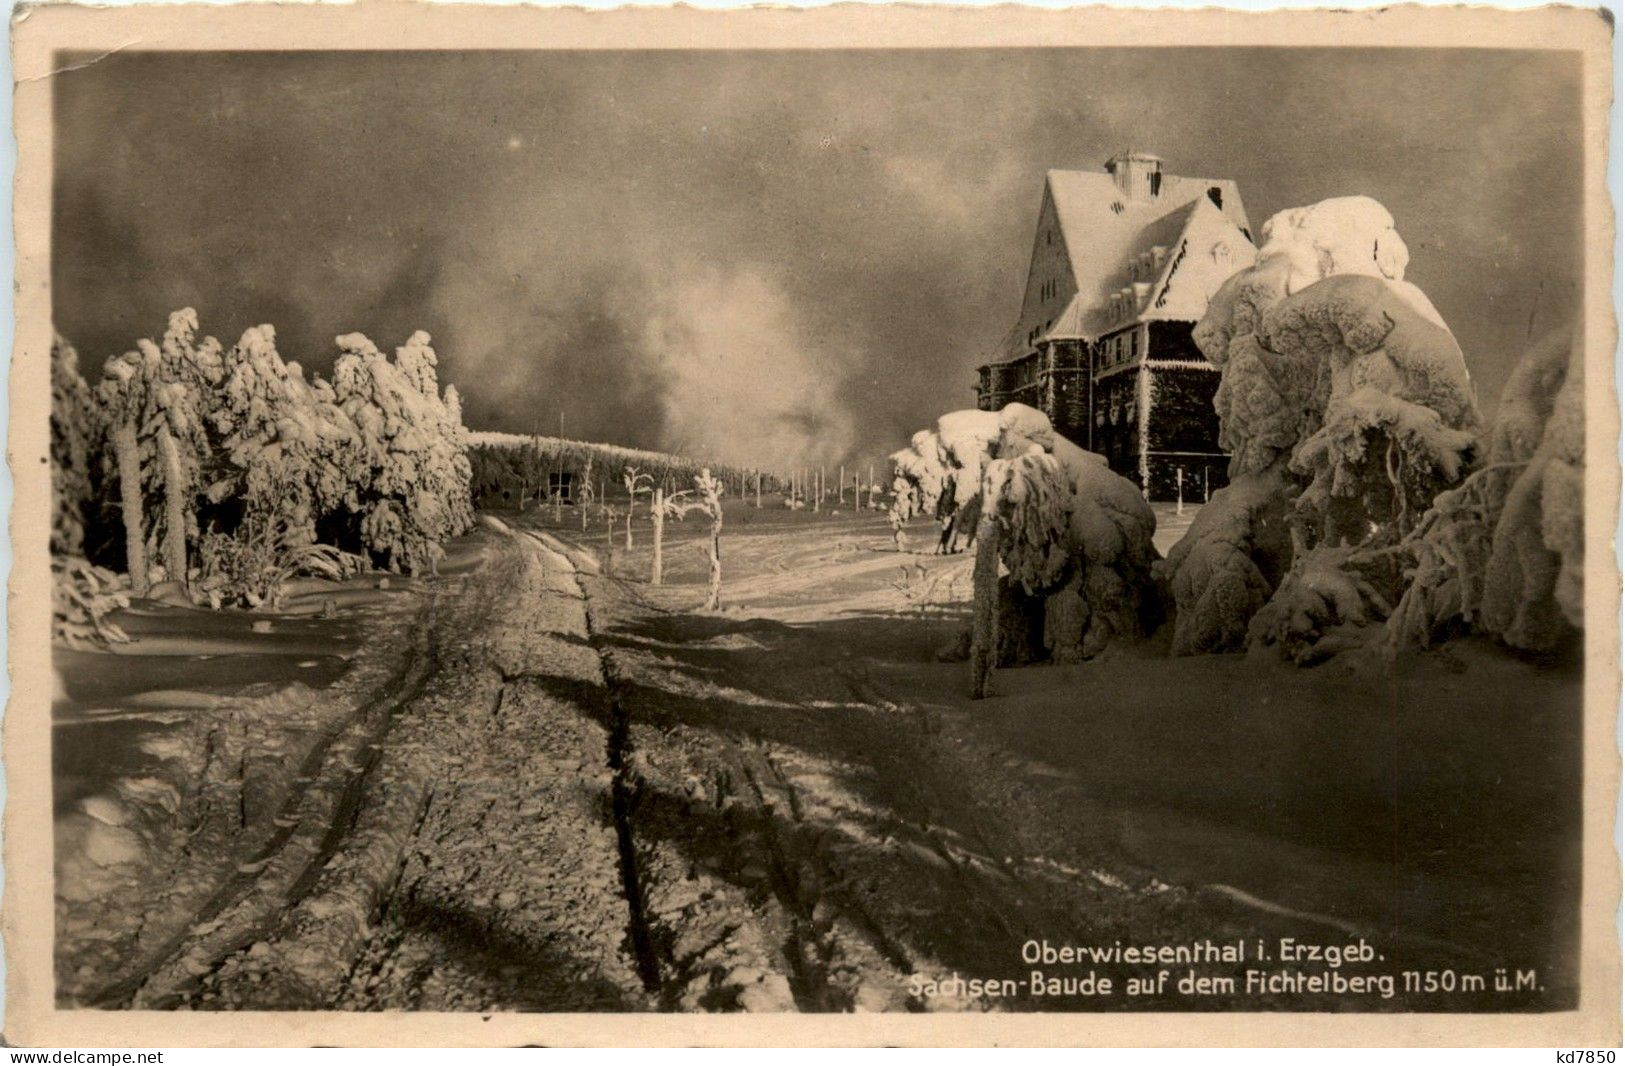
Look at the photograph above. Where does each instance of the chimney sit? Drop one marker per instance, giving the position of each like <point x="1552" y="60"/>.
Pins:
<point x="1137" y="174"/>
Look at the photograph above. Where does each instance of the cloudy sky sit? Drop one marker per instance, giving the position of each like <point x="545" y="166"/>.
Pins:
<point x="760" y="257"/>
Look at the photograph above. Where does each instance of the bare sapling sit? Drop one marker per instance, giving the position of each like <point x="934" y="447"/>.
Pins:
<point x="706" y="497"/>
<point x="636" y="484"/>
<point x="585" y="496"/>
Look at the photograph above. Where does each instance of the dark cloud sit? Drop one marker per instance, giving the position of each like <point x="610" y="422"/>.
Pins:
<point x="779" y="256"/>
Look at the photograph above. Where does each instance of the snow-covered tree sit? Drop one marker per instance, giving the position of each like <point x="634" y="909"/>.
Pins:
<point x="637" y="484"/>
<point x="705" y="497"/>
<point x="75" y="425"/>
<point x="186" y="374"/>
<point x="1400" y="421"/>
<point x="1230" y="561"/>
<point x="1504" y="551"/>
<point x="584" y="496"/>
<point x="1347" y="408"/>
<point x="710" y="490"/>
<point x="921" y="465"/>
<point x="657" y="519"/>
<point x="1063" y="544"/>
<point x="411" y="474"/>
<point x="1073" y="536"/>
<point x="921" y="483"/>
<point x="446" y="466"/>
<point x="125" y="395"/>
<point x="965" y="442"/>
<point x="288" y="447"/>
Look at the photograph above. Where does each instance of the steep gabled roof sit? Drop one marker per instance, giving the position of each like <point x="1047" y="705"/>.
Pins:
<point x="1103" y="229"/>
<point x="1191" y="251"/>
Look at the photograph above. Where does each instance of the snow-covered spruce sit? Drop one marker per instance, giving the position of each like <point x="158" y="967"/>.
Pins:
<point x="289" y="447"/>
<point x="922" y="484"/>
<point x="1400" y="422"/>
<point x="1505" y="550"/>
<point x="1347" y="408"/>
<point x="1069" y="566"/>
<point x="411" y="472"/>
<point x="1334" y="599"/>
<point x="1073" y="536"/>
<point x="1268" y="402"/>
<point x="153" y="401"/>
<point x="1230" y="561"/>
<point x="381" y="468"/>
<point x="287" y="439"/>
<point x="74" y="431"/>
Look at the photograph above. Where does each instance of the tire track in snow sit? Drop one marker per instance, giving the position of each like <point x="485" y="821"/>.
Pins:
<point x="304" y="838"/>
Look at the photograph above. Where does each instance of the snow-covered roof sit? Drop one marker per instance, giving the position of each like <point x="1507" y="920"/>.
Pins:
<point x="1103" y="230"/>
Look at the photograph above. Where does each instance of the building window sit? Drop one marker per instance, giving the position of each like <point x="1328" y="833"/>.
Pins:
<point x="1216" y="194"/>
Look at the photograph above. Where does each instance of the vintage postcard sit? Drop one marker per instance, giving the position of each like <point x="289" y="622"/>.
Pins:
<point x="872" y="525"/>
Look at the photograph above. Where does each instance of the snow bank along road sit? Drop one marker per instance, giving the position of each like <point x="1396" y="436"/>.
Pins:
<point x="579" y="793"/>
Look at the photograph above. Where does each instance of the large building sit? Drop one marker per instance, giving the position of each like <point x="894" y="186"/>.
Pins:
<point x="1123" y="265"/>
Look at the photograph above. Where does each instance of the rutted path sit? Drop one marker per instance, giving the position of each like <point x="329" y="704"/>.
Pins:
<point x="482" y="869"/>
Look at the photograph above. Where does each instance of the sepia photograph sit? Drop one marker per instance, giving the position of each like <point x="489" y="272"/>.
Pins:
<point x="1077" y="522"/>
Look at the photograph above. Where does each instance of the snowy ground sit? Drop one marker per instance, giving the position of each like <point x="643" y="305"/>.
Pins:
<point x="579" y="792"/>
